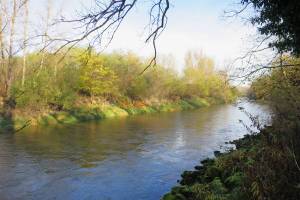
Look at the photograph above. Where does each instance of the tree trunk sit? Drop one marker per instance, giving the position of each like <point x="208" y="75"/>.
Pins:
<point x="6" y="121"/>
<point x="2" y="50"/>
<point x="8" y="103"/>
<point x="25" y="43"/>
<point x="45" y="37"/>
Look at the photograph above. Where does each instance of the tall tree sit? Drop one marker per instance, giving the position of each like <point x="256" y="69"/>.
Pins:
<point x="45" y="35"/>
<point x="7" y="99"/>
<point x="2" y="50"/>
<point x="8" y="44"/>
<point x="25" y="40"/>
<point x="278" y="18"/>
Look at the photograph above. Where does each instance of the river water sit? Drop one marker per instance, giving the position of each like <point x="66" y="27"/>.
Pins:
<point x="139" y="157"/>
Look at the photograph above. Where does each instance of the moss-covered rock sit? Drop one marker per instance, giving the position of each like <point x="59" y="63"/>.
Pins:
<point x="185" y="105"/>
<point x="111" y="111"/>
<point x="198" y="102"/>
<point x="65" y="118"/>
<point x="48" y="119"/>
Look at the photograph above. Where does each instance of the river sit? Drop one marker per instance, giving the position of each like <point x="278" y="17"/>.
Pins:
<point x="133" y="158"/>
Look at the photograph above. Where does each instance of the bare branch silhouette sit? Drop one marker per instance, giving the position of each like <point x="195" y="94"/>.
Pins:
<point x="106" y="18"/>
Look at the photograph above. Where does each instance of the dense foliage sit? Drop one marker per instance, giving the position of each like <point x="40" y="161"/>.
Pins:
<point x="87" y="79"/>
<point x="279" y="18"/>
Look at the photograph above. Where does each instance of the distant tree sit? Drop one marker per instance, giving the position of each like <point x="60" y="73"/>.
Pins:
<point x="198" y="70"/>
<point x="95" y="78"/>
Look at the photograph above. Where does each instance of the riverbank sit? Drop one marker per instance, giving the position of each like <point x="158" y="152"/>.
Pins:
<point x="96" y="159"/>
<point x="99" y="110"/>
<point x="264" y="165"/>
<point x="254" y="170"/>
<point x="91" y="86"/>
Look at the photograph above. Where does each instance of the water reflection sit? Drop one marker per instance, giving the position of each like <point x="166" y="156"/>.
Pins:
<point x="138" y="157"/>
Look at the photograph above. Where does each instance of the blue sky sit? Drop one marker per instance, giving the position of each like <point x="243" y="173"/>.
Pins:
<point x="196" y="25"/>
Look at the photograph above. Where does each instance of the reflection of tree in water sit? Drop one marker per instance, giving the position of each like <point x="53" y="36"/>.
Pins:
<point x="87" y="144"/>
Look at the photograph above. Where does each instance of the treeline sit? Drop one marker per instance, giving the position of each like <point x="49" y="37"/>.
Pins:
<point x="60" y="84"/>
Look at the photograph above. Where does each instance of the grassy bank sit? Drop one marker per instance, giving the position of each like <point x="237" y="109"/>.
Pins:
<point x="98" y="111"/>
<point x="253" y="171"/>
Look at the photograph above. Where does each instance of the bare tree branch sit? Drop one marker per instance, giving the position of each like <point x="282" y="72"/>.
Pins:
<point x="235" y="13"/>
<point x="106" y="18"/>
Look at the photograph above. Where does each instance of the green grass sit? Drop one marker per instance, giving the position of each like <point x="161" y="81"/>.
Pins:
<point x="65" y="118"/>
<point x="112" y="111"/>
<point x="85" y="113"/>
<point x="198" y="102"/>
<point x="47" y="120"/>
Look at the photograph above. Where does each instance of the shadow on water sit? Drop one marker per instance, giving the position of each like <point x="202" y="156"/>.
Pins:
<point x="138" y="157"/>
